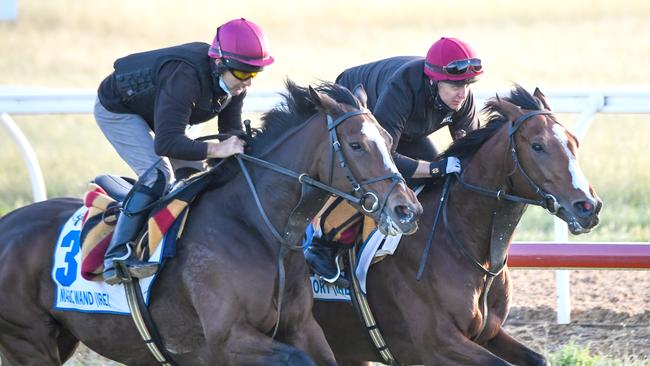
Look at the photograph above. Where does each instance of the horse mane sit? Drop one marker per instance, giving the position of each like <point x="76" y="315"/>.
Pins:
<point x="296" y="109"/>
<point x="496" y="118"/>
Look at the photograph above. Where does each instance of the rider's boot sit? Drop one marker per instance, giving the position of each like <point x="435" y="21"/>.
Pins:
<point x="323" y="260"/>
<point x="120" y="256"/>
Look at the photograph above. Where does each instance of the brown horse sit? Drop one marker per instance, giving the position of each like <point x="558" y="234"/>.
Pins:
<point x="215" y="302"/>
<point x="454" y="314"/>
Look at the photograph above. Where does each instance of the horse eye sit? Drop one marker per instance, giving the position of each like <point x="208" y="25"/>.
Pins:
<point x="538" y="147"/>
<point x="355" y="146"/>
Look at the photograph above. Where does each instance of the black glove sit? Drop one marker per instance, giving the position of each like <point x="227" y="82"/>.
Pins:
<point x="439" y="169"/>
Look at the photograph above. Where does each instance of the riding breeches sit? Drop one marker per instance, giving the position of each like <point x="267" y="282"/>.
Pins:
<point x="133" y="140"/>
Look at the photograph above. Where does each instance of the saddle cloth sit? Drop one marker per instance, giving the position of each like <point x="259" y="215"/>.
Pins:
<point x="73" y="291"/>
<point x="337" y="226"/>
<point x="84" y="238"/>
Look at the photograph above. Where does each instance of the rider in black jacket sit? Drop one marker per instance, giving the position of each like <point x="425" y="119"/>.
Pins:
<point x="412" y="97"/>
<point x="144" y="107"/>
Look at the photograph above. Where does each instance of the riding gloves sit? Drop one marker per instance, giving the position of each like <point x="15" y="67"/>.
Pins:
<point x="448" y="165"/>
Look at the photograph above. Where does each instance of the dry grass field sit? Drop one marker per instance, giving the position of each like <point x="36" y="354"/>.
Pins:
<point x="554" y="44"/>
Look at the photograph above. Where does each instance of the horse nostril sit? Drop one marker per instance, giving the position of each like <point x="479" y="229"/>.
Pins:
<point x="599" y="206"/>
<point x="584" y="208"/>
<point x="404" y="213"/>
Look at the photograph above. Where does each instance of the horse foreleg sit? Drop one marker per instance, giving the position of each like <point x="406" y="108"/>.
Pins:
<point x="453" y="348"/>
<point x="310" y="337"/>
<point x="512" y="350"/>
<point x="67" y="344"/>
<point x="248" y="346"/>
<point x="27" y="347"/>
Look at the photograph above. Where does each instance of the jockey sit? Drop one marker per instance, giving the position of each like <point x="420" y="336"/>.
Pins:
<point x="145" y="105"/>
<point x="411" y="97"/>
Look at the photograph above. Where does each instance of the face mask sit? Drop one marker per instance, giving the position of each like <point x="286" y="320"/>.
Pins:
<point x="218" y="84"/>
<point x="222" y="102"/>
<point x="225" y="88"/>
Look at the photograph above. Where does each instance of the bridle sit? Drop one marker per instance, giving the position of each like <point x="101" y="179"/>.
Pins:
<point x="297" y="219"/>
<point x="360" y="194"/>
<point x="357" y="187"/>
<point x="547" y="201"/>
<point x="499" y="243"/>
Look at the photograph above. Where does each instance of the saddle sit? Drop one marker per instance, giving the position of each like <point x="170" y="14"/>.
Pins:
<point x="167" y="218"/>
<point x="341" y="225"/>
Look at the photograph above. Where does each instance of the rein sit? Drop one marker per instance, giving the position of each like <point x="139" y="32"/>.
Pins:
<point x="292" y="232"/>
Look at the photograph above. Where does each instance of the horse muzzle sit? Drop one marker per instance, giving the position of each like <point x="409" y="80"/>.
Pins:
<point x="399" y="219"/>
<point x="582" y="217"/>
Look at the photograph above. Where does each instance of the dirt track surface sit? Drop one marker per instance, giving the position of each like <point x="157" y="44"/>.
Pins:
<point x="610" y="311"/>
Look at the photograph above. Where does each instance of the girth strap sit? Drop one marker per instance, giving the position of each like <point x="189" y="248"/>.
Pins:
<point x="362" y="307"/>
<point x="144" y="322"/>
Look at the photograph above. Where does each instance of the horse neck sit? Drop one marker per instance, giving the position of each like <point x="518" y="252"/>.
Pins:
<point x="488" y="168"/>
<point x="278" y="193"/>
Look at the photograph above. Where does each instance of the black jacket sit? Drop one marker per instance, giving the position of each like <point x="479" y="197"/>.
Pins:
<point x="402" y="100"/>
<point x="171" y="88"/>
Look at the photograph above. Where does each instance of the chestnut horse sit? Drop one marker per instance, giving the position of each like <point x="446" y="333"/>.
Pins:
<point x="454" y="314"/>
<point x="215" y="302"/>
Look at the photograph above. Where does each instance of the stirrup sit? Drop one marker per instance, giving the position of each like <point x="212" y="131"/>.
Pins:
<point x="338" y="272"/>
<point x="338" y="281"/>
<point x="118" y="274"/>
<point x="128" y="267"/>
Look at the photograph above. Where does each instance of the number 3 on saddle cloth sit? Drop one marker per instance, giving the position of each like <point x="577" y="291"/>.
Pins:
<point x="340" y="225"/>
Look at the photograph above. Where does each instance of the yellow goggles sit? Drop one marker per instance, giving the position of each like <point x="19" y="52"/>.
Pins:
<point x="243" y="75"/>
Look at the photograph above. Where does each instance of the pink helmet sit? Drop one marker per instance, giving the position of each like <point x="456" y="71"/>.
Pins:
<point x="450" y="59"/>
<point x="241" y="45"/>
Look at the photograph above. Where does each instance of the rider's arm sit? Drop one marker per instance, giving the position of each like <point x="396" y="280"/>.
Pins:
<point x="437" y="169"/>
<point x="178" y="90"/>
<point x="393" y="108"/>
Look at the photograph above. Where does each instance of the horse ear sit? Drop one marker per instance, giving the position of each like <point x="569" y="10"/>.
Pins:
<point x="315" y="96"/>
<point x="360" y="93"/>
<point x="512" y="111"/>
<point x="542" y="98"/>
<point x="323" y="102"/>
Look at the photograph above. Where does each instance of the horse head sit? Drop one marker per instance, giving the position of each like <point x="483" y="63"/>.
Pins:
<point x="365" y="162"/>
<point x="545" y="160"/>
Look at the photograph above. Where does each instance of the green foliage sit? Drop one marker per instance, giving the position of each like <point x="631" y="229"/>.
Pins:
<point x="573" y="355"/>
